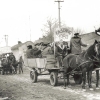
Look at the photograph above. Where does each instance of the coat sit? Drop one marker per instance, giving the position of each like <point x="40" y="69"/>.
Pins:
<point x="75" y="45"/>
<point x="29" y="53"/>
<point x="58" y="51"/>
<point x="21" y="60"/>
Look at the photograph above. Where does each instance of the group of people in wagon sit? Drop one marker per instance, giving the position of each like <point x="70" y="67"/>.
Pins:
<point x="61" y="48"/>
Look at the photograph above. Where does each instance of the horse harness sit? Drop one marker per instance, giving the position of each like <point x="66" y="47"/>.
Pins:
<point x="85" y="62"/>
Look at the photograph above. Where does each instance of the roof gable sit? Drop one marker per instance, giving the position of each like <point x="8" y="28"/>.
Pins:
<point x="19" y="45"/>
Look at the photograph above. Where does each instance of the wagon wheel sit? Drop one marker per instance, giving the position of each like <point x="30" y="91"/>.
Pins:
<point x="78" y="78"/>
<point x="33" y="76"/>
<point x="53" y="78"/>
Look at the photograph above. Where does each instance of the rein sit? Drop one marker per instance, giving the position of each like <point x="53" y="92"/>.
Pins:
<point x="85" y="62"/>
<point x="79" y="66"/>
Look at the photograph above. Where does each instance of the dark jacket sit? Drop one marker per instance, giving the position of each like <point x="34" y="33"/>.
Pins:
<point x="21" y="60"/>
<point x="59" y="51"/>
<point x="29" y="53"/>
<point x="75" y="45"/>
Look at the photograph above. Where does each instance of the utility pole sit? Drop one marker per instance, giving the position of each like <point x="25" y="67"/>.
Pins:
<point x="59" y="11"/>
<point x="6" y="39"/>
<point x="30" y="28"/>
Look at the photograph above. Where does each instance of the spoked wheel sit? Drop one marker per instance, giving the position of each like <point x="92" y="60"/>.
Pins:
<point x="78" y="78"/>
<point x="33" y="76"/>
<point x="54" y="78"/>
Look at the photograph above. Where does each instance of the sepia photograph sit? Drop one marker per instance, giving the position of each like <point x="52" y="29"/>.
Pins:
<point x="49" y="50"/>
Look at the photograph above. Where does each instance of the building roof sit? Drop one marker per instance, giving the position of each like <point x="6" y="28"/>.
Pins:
<point x="19" y="44"/>
<point x="6" y="49"/>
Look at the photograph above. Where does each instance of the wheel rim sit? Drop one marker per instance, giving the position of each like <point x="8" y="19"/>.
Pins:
<point x="52" y="79"/>
<point x="32" y="75"/>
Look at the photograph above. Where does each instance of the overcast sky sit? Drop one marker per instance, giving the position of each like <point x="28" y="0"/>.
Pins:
<point x="15" y="21"/>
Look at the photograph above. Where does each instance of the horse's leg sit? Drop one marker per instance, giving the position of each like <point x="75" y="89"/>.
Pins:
<point x="16" y="69"/>
<point x="89" y="80"/>
<point x="19" y="68"/>
<point x="97" y="78"/>
<point x="64" y="79"/>
<point x="88" y="77"/>
<point x="83" y="79"/>
<point x="11" y="70"/>
<point x="68" y="83"/>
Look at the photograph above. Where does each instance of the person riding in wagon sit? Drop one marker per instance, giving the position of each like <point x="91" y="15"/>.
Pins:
<point x="61" y="50"/>
<point x="76" y="44"/>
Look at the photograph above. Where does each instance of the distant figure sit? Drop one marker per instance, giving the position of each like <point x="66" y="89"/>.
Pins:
<point x="76" y="43"/>
<point x="21" y="65"/>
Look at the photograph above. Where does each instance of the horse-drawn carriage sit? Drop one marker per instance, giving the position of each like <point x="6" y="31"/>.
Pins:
<point x="75" y="65"/>
<point x="47" y="66"/>
<point x="88" y="61"/>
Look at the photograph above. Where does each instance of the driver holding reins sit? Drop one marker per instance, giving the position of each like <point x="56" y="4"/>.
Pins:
<point x="76" y="43"/>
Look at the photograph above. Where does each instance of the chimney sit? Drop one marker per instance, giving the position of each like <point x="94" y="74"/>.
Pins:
<point x="19" y="42"/>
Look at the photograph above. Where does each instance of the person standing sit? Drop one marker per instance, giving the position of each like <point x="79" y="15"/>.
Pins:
<point x="66" y="49"/>
<point x="76" y="43"/>
<point x="21" y="65"/>
<point x="59" y="50"/>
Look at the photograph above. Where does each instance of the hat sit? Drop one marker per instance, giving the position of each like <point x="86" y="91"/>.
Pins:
<point x="41" y="43"/>
<point x="29" y="46"/>
<point x="76" y="34"/>
<point x="36" y="44"/>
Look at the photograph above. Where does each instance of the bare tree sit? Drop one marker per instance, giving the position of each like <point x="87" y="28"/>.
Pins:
<point x="51" y="25"/>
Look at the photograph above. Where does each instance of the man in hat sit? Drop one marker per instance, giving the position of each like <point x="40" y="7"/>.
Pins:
<point x="36" y="51"/>
<point x="66" y="49"/>
<point x="59" y="50"/>
<point x="29" y="51"/>
<point x="76" y="43"/>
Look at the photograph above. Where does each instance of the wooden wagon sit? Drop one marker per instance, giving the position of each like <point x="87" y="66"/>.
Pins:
<point x="47" y="66"/>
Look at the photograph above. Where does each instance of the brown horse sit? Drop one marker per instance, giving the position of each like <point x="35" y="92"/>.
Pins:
<point x="84" y="62"/>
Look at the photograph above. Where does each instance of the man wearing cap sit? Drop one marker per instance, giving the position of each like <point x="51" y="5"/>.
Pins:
<point x="36" y="51"/>
<point x="76" y="43"/>
<point x="29" y="51"/>
<point x="59" y="50"/>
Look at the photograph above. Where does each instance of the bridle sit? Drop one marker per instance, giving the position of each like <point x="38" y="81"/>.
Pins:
<point x="96" y="49"/>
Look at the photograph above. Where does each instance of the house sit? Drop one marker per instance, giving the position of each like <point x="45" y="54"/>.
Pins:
<point x="21" y="48"/>
<point x="5" y="50"/>
<point x="89" y="38"/>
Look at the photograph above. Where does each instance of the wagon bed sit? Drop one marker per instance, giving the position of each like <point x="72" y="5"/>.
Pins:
<point x="47" y="66"/>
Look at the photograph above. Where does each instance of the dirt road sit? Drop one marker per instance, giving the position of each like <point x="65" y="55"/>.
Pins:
<point x="19" y="87"/>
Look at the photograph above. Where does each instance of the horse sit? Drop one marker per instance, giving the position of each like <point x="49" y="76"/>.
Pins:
<point x="14" y="65"/>
<point x="83" y="62"/>
<point x="6" y="68"/>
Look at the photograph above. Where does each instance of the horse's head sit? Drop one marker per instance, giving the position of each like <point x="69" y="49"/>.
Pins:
<point x="97" y="47"/>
